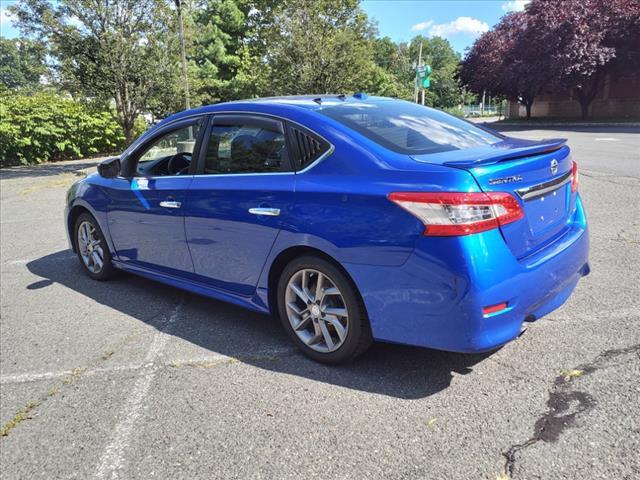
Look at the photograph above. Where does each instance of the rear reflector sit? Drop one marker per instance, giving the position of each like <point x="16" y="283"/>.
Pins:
<point x="458" y="213"/>
<point x="574" y="177"/>
<point x="494" y="308"/>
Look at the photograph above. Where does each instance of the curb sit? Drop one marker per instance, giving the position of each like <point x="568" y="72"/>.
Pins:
<point x="561" y="124"/>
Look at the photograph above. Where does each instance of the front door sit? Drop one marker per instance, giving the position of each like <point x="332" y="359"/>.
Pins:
<point x="146" y="212"/>
<point x="239" y="200"/>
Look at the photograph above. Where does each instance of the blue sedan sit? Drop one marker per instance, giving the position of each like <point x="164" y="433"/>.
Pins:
<point x="352" y="219"/>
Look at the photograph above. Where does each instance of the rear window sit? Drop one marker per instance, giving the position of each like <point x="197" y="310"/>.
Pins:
<point x="410" y="128"/>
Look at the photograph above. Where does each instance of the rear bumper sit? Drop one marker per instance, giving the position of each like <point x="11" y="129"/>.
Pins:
<point x="436" y="298"/>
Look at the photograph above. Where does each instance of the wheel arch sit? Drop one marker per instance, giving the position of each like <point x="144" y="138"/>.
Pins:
<point x="74" y="213"/>
<point x="77" y="208"/>
<point x="286" y="256"/>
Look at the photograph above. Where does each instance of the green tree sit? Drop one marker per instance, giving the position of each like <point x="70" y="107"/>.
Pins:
<point x="22" y="63"/>
<point x="397" y="73"/>
<point x="124" y="51"/>
<point x="320" y="46"/>
<point x="226" y="51"/>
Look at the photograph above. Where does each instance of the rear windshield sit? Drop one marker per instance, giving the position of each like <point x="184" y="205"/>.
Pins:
<point x="410" y="128"/>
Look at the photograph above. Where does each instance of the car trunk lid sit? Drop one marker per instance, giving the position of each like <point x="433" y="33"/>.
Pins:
<point x="538" y="174"/>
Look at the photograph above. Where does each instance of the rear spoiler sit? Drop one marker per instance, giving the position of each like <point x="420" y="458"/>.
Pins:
<point x="501" y="155"/>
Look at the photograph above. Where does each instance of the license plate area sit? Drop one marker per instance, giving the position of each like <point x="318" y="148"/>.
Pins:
<point x="546" y="210"/>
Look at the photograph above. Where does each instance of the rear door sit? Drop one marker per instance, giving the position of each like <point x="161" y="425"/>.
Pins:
<point x="239" y="200"/>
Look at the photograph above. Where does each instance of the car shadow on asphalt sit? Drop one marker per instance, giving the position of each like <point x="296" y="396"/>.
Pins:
<point x="393" y="370"/>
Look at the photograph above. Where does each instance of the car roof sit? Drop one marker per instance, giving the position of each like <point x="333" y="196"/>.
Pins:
<point x="305" y="102"/>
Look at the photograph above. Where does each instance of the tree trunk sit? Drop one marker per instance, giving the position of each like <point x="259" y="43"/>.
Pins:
<point x="584" y="108"/>
<point x="587" y="92"/>
<point x="528" y="103"/>
<point x="128" y="125"/>
<point x="126" y="113"/>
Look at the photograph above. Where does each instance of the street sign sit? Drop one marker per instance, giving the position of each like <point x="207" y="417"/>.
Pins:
<point x="422" y="76"/>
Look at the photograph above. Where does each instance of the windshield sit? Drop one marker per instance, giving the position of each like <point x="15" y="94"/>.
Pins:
<point x="410" y="128"/>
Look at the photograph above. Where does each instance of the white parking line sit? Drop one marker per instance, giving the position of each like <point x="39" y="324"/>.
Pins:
<point x="112" y="460"/>
<point x="32" y="377"/>
<point x="607" y="139"/>
<point x="24" y="261"/>
<point x="203" y="360"/>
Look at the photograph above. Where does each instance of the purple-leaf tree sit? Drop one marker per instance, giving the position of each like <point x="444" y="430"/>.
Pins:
<point x="501" y="63"/>
<point x="563" y="45"/>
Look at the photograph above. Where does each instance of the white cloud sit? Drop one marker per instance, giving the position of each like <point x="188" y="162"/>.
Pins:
<point x="515" y="5"/>
<point x="465" y="25"/>
<point x="6" y="17"/>
<point x="421" y="26"/>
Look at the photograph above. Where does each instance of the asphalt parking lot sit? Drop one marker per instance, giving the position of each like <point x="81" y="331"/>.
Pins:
<point x="133" y="379"/>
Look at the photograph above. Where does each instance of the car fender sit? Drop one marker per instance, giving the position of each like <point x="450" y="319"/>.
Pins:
<point x="92" y="198"/>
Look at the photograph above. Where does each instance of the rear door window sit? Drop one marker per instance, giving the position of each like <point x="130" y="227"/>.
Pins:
<point x="245" y="144"/>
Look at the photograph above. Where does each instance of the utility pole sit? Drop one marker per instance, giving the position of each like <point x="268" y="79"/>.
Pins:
<point x="482" y="105"/>
<point x="187" y="100"/>
<point x="420" y="65"/>
<point x="417" y="88"/>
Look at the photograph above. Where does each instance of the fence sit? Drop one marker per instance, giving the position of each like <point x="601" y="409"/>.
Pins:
<point x="489" y="110"/>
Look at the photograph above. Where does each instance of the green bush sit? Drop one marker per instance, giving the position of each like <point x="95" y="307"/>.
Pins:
<point x="456" y="111"/>
<point x="46" y="126"/>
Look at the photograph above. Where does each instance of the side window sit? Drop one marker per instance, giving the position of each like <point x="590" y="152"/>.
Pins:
<point x="246" y="145"/>
<point x="170" y="154"/>
<point x="310" y="147"/>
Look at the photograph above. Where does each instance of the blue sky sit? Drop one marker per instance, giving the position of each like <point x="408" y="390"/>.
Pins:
<point x="460" y="21"/>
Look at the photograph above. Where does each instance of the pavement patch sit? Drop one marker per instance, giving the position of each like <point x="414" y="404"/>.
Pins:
<point x="565" y="404"/>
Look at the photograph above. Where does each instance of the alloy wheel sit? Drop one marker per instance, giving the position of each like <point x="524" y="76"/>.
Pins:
<point x="316" y="310"/>
<point x="90" y="247"/>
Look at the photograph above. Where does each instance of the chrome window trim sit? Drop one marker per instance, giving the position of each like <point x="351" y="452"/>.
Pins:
<point x="329" y="151"/>
<point x="141" y="139"/>
<point x="322" y="157"/>
<point x="540" y="189"/>
<point x="319" y="159"/>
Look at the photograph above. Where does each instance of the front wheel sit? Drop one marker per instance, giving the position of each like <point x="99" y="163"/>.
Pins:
<point x="322" y="311"/>
<point x="92" y="248"/>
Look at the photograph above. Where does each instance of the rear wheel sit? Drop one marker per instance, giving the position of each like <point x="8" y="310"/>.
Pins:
<point x="92" y="248"/>
<point x="322" y="311"/>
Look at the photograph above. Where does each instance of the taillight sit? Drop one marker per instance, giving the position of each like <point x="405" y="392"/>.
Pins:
<point x="574" y="177"/>
<point x="446" y="213"/>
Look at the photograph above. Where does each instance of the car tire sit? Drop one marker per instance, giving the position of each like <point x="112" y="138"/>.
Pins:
<point x="333" y="328"/>
<point x="92" y="248"/>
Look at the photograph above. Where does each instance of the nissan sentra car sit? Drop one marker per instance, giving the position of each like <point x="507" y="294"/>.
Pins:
<point x="351" y="218"/>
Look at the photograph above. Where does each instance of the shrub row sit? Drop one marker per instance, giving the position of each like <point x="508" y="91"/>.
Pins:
<point x="46" y="126"/>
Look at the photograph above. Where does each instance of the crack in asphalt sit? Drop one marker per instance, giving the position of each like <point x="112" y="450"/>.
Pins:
<point x="607" y="178"/>
<point x="565" y="404"/>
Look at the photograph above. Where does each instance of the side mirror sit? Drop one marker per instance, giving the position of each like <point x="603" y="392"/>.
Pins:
<point x="109" y="168"/>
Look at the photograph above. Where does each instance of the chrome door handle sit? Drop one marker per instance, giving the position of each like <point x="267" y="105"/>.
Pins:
<point x="271" y="212"/>
<point x="170" y="204"/>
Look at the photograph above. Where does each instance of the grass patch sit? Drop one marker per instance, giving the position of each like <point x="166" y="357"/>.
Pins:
<point x="19" y="417"/>
<point x="59" y="181"/>
<point x="73" y="376"/>
<point x="571" y="373"/>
